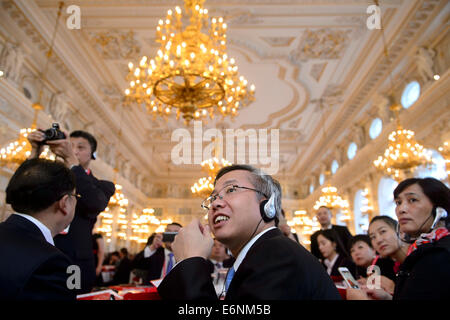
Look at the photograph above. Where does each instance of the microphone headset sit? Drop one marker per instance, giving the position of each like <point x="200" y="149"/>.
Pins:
<point x="441" y="213"/>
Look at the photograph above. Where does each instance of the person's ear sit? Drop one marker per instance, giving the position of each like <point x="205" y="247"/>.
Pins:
<point x="63" y="204"/>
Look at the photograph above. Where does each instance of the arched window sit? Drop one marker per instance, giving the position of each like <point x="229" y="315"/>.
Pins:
<point x="375" y="128"/>
<point x="361" y="220"/>
<point x="410" y="94"/>
<point x="437" y="170"/>
<point x="386" y="202"/>
<point x="334" y="166"/>
<point x="311" y="188"/>
<point x="351" y="151"/>
<point x="321" y="179"/>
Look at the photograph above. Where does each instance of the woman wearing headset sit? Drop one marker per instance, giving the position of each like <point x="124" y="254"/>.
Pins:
<point x="422" y="207"/>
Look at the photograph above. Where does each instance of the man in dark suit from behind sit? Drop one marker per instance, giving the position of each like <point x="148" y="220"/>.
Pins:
<point x="42" y="194"/>
<point x="268" y="265"/>
<point x="341" y="233"/>
<point x="78" y="151"/>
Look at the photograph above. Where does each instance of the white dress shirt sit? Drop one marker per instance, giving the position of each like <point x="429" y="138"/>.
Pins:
<point x="329" y="264"/>
<point x="45" y="231"/>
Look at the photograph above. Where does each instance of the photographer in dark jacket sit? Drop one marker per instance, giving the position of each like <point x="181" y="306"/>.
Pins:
<point x="77" y="153"/>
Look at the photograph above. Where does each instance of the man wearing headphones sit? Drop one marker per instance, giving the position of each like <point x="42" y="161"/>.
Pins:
<point x="242" y="214"/>
<point x="76" y="241"/>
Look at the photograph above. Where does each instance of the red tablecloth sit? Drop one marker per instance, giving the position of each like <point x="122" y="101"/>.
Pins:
<point x="123" y="293"/>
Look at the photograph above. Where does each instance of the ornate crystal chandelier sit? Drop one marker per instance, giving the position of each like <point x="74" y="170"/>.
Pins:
<point x="331" y="199"/>
<point x="445" y="151"/>
<point x="143" y="225"/>
<point x="191" y="73"/>
<point x="108" y="219"/>
<point x="404" y="154"/>
<point x="205" y="185"/>
<point x="18" y="151"/>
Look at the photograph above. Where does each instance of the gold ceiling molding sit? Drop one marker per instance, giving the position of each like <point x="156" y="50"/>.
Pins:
<point x="415" y="20"/>
<point x="324" y="43"/>
<point x="281" y="76"/>
<point x="317" y="70"/>
<point x="114" y="44"/>
<point x="157" y="3"/>
<point x="278" y="41"/>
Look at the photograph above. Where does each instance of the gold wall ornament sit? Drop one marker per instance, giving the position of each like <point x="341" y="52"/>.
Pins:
<point x="191" y="72"/>
<point x="115" y="44"/>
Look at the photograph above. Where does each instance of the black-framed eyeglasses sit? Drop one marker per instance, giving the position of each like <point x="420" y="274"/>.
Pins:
<point x="223" y="194"/>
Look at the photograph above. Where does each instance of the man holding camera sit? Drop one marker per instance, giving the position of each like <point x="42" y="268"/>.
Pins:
<point x="157" y="258"/>
<point x="77" y="151"/>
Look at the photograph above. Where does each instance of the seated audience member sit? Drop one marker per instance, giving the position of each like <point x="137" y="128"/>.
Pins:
<point x="123" y="269"/>
<point x="386" y="241"/>
<point x="333" y="258"/>
<point x="422" y="206"/>
<point x="139" y="267"/>
<point x="340" y="233"/>
<point x="114" y="259"/>
<point x="362" y="254"/>
<point x="217" y="269"/>
<point x="42" y="194"/>
<point x="157" y="258"/>
<point x="242" y="214"/>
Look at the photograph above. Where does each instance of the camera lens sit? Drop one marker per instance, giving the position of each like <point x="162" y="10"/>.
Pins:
<point x="50" y="134"/>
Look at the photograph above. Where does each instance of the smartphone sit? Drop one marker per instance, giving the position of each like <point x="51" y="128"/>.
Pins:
<point x="169" y="236"/>
<point x="348" y="278"/>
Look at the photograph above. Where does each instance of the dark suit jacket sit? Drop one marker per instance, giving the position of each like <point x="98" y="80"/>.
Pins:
<point x="122" y="274"/>
<point x="30" y="267"/>
<point x="150" y="267"/>
<point x="77" y="244"/>
<point x="275" y="268"/>
<point x="425" y="273"/>
<point x="343" y="237"/>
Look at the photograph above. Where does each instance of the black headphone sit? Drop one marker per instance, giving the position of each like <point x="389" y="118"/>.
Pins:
<point x="267" y="209"/>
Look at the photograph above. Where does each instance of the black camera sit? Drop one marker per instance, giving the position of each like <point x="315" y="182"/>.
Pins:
<point x="54" y="133"/>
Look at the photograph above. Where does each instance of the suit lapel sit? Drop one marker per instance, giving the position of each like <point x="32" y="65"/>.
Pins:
<point x="238" y="276"/>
